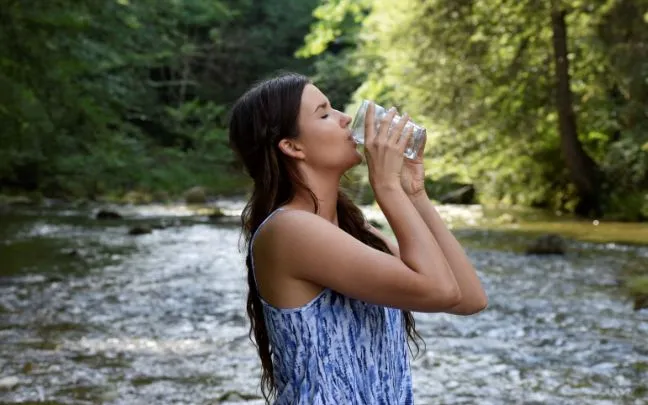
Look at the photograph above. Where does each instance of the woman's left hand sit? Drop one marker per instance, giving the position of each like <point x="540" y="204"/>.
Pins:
<point x="413" y="174"/>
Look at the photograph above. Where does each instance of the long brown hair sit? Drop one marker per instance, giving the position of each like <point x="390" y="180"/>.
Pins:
<point x="263" y="116"/>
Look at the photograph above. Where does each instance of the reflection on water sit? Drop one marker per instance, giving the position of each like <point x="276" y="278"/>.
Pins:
<point x="91" y="315"/>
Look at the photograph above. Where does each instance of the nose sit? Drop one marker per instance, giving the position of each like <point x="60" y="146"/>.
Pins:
<point x="345" y="120"/>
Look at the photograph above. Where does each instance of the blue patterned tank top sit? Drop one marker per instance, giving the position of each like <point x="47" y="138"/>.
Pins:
<point x="338" y="350"/>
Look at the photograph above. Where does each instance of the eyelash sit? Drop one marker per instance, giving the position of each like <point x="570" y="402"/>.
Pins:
<point x="325" y="116"/>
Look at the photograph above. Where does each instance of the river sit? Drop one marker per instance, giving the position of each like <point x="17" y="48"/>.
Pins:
<point x="92" y="315"/>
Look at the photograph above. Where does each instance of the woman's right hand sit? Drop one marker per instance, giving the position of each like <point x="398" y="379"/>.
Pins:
<point x="384" y="150"/>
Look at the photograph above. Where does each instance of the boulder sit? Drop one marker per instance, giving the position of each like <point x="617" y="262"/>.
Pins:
<point x="28" y="367"/>
<point x="638" y="286"/>
<point x="108" y="214"/>
<point x="196" y="195"/>
<point x="216" y="214"/>
<point x="140" y="230"/>
<point x="549" y="244"/>
<point x="161" y="197"/>
<point x="464" y="195"/>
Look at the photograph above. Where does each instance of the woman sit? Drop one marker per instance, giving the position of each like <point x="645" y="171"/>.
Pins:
<point x="329" y="295"/>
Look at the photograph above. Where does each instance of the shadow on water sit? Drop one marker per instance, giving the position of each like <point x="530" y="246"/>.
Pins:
<point x="90" y="314"/>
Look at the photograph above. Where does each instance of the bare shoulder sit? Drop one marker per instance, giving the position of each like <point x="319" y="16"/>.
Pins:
<point x="290" y="223"/>
<point x="272" y="255"/>
<point x="301" y="246"/>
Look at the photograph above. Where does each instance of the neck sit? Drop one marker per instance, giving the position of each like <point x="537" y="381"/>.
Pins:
<point x="325" y="188"/>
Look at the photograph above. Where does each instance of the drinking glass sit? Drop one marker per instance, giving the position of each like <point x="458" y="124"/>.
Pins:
<point x="358" y="128"/>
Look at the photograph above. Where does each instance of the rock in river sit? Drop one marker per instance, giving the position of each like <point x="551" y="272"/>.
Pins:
<point x="140" y="230"/>
<point x="549" y="244"/>
<point x="108" y="214"/>
<point x="196" y="195"/>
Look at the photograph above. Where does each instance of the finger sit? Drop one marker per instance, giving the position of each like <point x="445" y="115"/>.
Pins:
<point x="405" y="138"/>
<point x="423" y="141"/>
<point x="385" y="124"/>
<point x="369" y="127"/>
<point x="397" y="130"/>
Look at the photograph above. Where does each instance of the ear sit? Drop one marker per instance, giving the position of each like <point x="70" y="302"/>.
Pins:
<point x="292" y="148"/>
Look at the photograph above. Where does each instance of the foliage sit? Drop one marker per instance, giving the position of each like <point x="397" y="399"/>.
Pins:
<point x="480" y="75"/>
<point x="331" y="48"/>
<point x="117" y="94"/>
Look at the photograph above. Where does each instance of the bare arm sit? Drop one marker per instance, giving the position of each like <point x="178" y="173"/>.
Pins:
<point x="473" y="296"/>
<point x="417" y="246"/>
<point x="304" y="246"/>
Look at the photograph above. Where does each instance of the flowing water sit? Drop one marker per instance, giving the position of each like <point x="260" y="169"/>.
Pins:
<point x="91" y="315"/>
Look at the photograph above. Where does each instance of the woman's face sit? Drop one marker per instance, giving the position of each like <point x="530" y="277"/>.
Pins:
<point x="325" y="134"/>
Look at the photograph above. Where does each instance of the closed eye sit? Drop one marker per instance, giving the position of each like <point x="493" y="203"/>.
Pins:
<point x="325" y="116"/>
<point x="322" y="106"/>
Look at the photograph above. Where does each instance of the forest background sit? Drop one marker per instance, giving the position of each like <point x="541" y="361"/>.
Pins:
<point x="533" y="103"/>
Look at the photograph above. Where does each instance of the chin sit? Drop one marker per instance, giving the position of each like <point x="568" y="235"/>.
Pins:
<point x="357" y="159"/>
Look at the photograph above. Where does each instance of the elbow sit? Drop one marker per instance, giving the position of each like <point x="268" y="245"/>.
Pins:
<point x="479" y="304"/>
<point x="450" y="296"/>
<point x="472" y="306"/>
<point x="483" y="303"/>
<point x="440" y="299"/>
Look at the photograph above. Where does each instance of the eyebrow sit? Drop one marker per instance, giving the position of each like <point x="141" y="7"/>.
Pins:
<point x="322" y="105"/>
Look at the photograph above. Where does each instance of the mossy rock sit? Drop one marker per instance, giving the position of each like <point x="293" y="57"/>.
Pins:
<point x="550" y="244"/>
<point x="638" y="287"/>
<point x="216" y="213"/>
<point x="137" y="197"/>
<point x="196" y="195"/>
<point x="108" y="214"/>
<point x="28" y="367"/>
<point x="161" y="196"/>
<point x="140" y="230"/>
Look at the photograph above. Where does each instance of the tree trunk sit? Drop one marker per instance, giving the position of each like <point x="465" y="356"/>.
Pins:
<point x="583" y="171"/>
